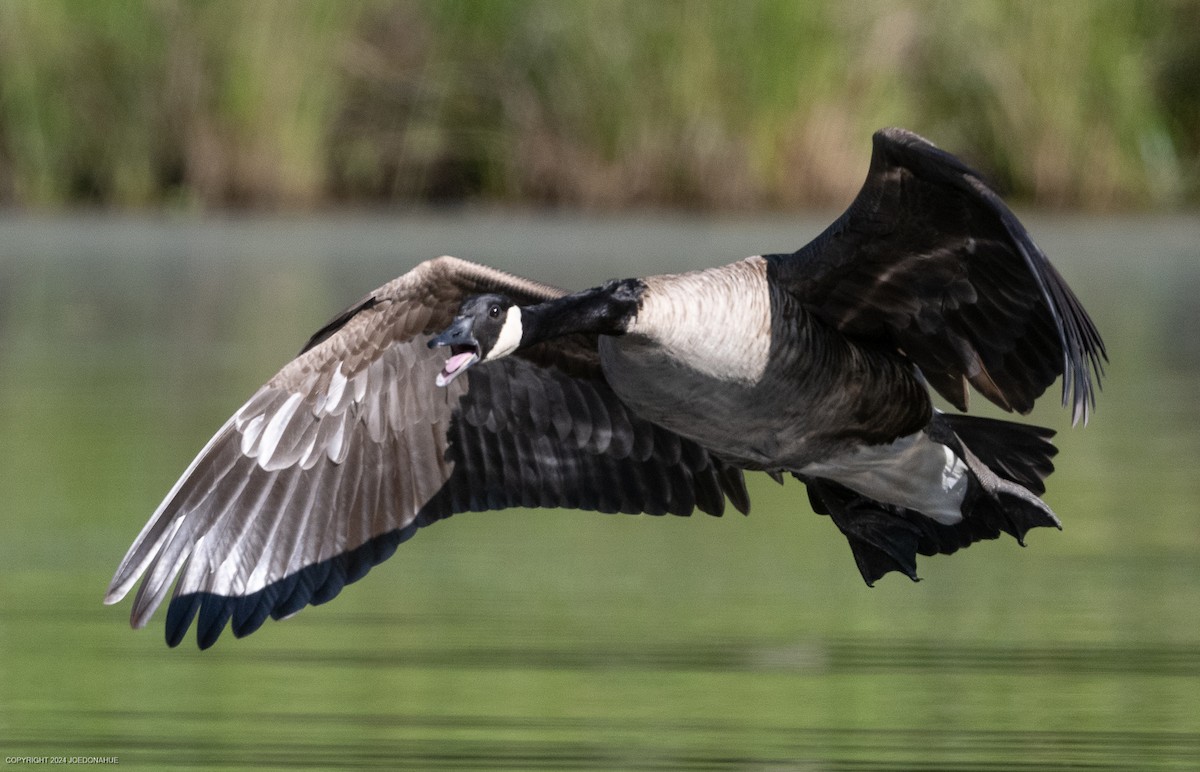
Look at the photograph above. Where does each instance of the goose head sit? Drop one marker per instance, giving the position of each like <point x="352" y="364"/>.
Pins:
<point x="487" y="328"/>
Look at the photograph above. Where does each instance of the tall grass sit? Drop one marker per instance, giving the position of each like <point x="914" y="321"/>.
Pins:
<point x="135" y="101"/>
<point x="600" y="104"/>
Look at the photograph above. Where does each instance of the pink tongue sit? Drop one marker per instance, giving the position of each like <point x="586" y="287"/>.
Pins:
<point x="457" y="361"/>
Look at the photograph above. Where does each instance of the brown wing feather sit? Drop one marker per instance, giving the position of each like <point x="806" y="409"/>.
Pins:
<point x="351" y="448"/>
<point x="929" y="260"/>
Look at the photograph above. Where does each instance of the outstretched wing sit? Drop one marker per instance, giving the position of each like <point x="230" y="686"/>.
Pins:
<point x="351" y="448"/>
<point x="930" y="261"/>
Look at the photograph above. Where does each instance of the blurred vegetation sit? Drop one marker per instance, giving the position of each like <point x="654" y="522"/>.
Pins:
<point x="601" y="104"/>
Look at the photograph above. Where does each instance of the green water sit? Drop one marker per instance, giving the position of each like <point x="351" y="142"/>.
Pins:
<point x="567" y="640"/>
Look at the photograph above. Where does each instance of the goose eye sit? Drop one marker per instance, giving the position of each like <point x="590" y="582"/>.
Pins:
<point x="494" y="311"/>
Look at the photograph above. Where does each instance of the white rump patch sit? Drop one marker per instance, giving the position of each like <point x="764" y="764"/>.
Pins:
<point x="510" y="336"/>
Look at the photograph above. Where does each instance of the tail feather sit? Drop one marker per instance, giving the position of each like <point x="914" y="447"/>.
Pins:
<point x="1021" y="453"/>
<point x="1007" y="463"/>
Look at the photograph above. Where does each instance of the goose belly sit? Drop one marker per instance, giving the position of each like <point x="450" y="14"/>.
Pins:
<point x="773" y="429"/>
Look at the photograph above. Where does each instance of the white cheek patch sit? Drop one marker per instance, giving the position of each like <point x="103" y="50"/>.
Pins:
<point x="510" y="335"/>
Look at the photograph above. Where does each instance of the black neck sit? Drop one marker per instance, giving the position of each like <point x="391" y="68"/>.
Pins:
<point x="603" y="310"/>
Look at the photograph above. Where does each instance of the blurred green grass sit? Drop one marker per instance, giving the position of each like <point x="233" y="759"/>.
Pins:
<point x="610" y="104"/>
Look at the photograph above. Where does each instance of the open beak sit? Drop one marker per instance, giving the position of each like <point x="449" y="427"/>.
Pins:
<point x="464" y="349"/>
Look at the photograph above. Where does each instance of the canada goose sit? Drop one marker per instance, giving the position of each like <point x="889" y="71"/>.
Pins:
<point x="460" y="388"/>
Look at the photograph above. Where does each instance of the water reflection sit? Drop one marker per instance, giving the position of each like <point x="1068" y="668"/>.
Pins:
<point x="837" y="656"/>
<point x="320" y="740"/>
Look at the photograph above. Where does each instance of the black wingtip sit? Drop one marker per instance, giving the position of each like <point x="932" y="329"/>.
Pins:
<point x="180" y="613"/>
<point x="312" y="585"/>
<point x="215" y="612"/>
<point x="1083" y="349"/>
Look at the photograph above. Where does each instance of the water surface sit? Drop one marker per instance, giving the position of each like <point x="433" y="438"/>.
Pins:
<point x="567" y="640"/>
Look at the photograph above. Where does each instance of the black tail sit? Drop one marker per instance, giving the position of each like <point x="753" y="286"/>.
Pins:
<point x="1017" y="452"/>
<point x="1007" y="463"/>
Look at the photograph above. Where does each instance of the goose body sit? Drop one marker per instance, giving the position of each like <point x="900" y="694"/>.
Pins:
<point x="725" y="357"/>
<point x="457" y="388"/>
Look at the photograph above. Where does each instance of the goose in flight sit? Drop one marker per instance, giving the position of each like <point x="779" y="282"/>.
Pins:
<point x="460" y="388"/>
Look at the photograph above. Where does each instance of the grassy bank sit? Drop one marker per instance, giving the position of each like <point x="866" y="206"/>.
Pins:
<point x="606" y="104"/>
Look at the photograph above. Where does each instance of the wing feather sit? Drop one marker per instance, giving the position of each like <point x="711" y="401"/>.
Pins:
<point x="350" y="448"/>
<point x="929" y="260"/>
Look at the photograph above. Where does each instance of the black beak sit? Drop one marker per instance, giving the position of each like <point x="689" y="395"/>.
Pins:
<point x="460" y="333"/>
